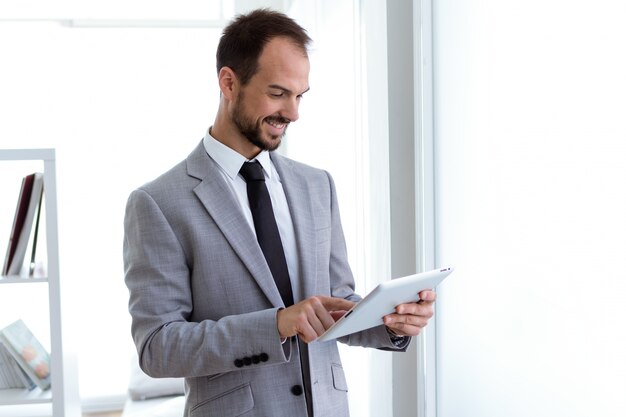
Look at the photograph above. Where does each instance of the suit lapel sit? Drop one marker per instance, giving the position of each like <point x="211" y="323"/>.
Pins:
<point x="300" y="207"/>
<point x="223" y="208"/>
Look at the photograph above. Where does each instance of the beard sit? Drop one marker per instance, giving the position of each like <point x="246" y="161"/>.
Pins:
<point x="252" y="130"/>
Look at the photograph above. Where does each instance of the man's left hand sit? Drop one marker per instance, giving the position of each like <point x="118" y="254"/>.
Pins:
<point x="410" y="319"/>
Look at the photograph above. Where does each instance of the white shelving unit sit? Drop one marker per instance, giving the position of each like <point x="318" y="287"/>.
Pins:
<point x="63" y="394"/>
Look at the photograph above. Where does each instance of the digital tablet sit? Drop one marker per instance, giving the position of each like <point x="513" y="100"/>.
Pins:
<point x="369" y="312"/>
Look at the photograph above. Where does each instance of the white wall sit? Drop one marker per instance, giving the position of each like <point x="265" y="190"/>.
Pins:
<point x="530" y="105"/>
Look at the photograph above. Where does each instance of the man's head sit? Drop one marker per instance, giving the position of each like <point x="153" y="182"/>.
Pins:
<point x="245" y="37"/>
<point x="263" y="71"/>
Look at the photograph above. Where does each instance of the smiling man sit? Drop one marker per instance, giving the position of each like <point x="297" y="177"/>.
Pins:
<point x="235" y="258"/>
<point x="254" y="115"/>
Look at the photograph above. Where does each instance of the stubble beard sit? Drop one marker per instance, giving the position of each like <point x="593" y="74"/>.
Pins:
<point x="253" y="131"/>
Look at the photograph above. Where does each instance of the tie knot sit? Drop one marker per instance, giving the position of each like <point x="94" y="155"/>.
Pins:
<point x="252" y="171"/>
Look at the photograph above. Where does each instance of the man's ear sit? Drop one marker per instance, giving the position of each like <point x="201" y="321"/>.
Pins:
<point x="228" y="82"/>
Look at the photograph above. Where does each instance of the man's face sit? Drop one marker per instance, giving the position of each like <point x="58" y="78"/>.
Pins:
<point x="269" y="102"/>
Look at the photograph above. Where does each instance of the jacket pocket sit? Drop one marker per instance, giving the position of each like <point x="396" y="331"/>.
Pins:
<point x="232" y="403"/>
<point x="339" y="378"/>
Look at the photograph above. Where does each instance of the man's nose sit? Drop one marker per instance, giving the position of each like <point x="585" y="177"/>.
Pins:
<point x="291" y="109"/>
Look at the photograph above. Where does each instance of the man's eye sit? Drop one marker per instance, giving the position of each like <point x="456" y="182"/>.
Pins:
<point x="276" y="94"/>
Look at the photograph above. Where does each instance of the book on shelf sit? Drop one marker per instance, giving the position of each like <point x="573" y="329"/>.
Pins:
<point x="12" y="376"/>
<point x="26" y="220"/>
<point x="28" y="352"/>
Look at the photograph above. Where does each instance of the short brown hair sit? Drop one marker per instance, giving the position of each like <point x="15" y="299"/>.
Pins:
<point x="245" y="37"/>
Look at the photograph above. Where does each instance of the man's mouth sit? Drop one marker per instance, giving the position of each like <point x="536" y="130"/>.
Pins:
<point x="278" y="123"/>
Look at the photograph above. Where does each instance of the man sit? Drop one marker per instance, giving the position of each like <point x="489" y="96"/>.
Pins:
<point x="206" y="295"/>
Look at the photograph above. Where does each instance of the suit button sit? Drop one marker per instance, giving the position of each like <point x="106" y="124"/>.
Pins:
<point x="263" y="357"/>
<point x="296" y="390"/>
<point x="255" y="359"/>
<point x="247" y="361"/>
<point x="238" y="363"/>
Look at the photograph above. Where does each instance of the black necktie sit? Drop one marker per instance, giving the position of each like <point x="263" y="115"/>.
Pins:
<point x="266" y="228"/>
<point x="272" y="247"/>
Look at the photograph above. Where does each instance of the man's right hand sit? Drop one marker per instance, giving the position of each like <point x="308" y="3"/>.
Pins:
<point x="310" y="318"/>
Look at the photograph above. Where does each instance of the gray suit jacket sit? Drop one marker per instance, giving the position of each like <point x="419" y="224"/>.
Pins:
<point x="203" y="301"/>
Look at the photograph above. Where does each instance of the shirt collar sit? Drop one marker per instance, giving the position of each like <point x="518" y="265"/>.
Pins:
<point x="264" y="160"/>
<point x="230" y="160"/>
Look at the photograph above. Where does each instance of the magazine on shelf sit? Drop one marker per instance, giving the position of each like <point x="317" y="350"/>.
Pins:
<point x="27" y="352"/>
<point x="12" y="376"/>
<point x="25" y="220"/>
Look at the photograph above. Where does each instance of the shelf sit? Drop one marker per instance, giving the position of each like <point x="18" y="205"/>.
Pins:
<point x="62" y="400"/>
<point x="27" y="154"/>
<point x="24" y="396"/>
<point x="19" y="280"/>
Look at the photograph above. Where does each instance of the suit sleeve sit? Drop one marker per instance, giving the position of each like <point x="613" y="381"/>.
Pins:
<point x="158" y="278"/>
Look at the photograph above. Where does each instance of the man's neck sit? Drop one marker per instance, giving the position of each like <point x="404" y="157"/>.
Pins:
<point x="232" y="138"/>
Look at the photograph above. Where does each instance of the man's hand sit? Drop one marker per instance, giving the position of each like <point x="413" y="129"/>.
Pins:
<point x="410" y="319"/>
<point x="311" y="317"/>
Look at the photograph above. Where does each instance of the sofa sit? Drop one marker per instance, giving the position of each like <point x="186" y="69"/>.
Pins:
<point x="153" y="397"/>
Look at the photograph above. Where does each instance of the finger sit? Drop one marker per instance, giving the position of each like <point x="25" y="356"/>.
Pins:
<point x="321" y="321"/>
<point x="336" y="315"/>
<point x="318" y="318"/>
<point x="314" y="316"/>
<point x="316" y="327"/>
<point x="415" y="309"/>
<point x="320" y="313"/>
<point x="405" y="325"/>
<point x="404" y="320"/>
<point x="303" y="319"/>
<point x="335" y="304"/>
<point x="307" y="334"/>
<point x="427" y="296"/>
<point x="307" y="324"/>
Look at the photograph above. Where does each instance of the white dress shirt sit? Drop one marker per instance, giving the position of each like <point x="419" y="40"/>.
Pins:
<point x="230" y="162"/>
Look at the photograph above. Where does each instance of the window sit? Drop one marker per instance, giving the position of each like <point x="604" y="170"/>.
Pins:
<point x="530" y="208"/>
